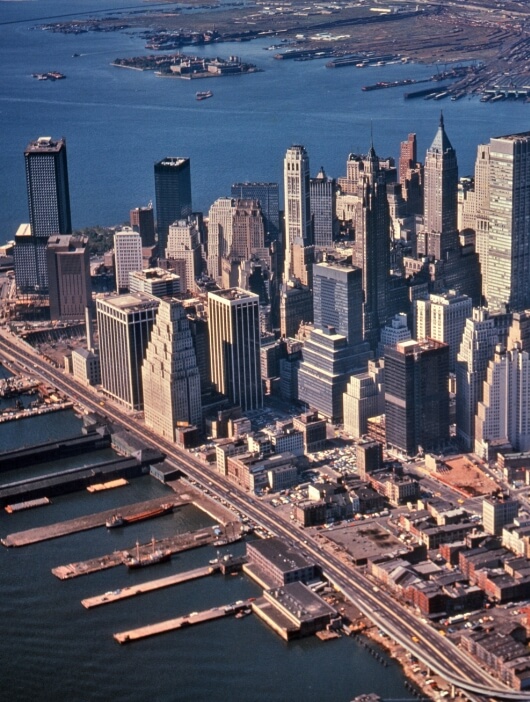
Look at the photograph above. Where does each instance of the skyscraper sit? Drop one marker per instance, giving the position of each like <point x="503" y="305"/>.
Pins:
<point x="476" y="350"/>
<point x="267" y="196"/>
<point x="68" y="261"/>
<point x="127" y="256"/>
<point x="322" y="199"/>
<point x="338" y="299"/>
<point x="142" y="220"/>
<point x="184" y="251"/>
<point x="172" y="194"/>
<point x="296" y="202"/>
<point x="124" y="325"/>
<point x="220" y="221"/>
<point x="171" y="379"/>
<point x="371" y="251"/>
<point x="440" y="196"/>
<point x="47" y="186"/>
<point x="417" y="395"/>
<point x="504" y="250"/>
<point x="234" y="330"/>
<point x="49" y="211"/>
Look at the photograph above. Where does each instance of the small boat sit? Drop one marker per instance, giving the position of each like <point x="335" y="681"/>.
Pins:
<point x="155" y="556"/>
<point x="115" y="521"/>
<point x="203" y="95"/>
<point x="243" y="613"/>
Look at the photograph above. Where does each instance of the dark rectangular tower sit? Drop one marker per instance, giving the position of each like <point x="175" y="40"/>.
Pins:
<point x="173" y="195"/>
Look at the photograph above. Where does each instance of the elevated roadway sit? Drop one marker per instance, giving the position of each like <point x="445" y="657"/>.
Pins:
<point x="438" y="653"/>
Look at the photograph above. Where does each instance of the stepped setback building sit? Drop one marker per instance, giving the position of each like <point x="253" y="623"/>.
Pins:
<point x="297" y="203"/>
<point x="171" y="379"/>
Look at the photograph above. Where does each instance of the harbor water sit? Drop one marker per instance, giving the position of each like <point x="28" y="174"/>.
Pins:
<point x="118" y="122"/>
<point x="52" y="648"/>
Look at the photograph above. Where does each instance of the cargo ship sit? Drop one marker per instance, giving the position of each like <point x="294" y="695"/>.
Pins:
<point x="154" y="556"/>
<point x="203" y="95"/>
<point x="118" y="520"/>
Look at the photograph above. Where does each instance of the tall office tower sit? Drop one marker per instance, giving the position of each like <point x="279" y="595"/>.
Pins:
<point x="68" y="260"/>
<point x="396" y="330"/>
<point x="328" y="362"/>
<point x="364" y="398"/>
<point x="476" y="350"/>
<point x="338" y="299"/>
<point x="302" y="260"/>
<point x="505" y="249"/>
<point x="142" y="220"/>
<point x="267" y="194"/>
<point x="127" y="256"/>
<point x="519" y="331"/>
<point x="482" y="199"/>
<point x="172" y="194"/>
<point x="371" y="250"/>
<point x="220" y="221"/>
<point x="171" y="379"/>
<point x="443" y="318"/>
<point x="234" y="331"/>
<point x="407" y="157"/>
<point x="49" y="211"/>
<point x="440" y="196"/>
<point x="322" y="199"/>
<point x="417" y="396"/>
<point x="248" y="231"/>
<point x="124" y="325"/>
<point x="296" y="307"/>
<point x="184" y="251"/>
<point x="47" y="186"/>
<point x="154" y="281"/>
<point x="296" y="203"/>
<point x="503" y="412"/>
<point x="498" y="511"/>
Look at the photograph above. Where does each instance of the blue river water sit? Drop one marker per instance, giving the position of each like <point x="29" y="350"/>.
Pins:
<point x="51" y="648"/>
<point x="118" y="122"/>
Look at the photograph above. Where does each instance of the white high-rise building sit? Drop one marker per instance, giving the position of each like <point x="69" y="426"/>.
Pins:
<point x="220" y="226"/>
<point x="503" y="246"/>
<point x="127" y="255"/>
<point x="442" y="318"/>
<point x="476" y="350"/>
<point x="184" y="248"/>
<point x="504" y="412"/>
<point x="296" y="202"/>
<point x="171" y="380"/>
<point x="364" y="398"/>
<point x="396" y="331"/>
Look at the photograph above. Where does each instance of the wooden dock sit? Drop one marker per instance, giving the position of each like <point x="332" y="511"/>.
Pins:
<point x="142" y="588"/>
<point x="174" y="544"/>
<point x="180" y="622"/>
<point x="91" y="521"/>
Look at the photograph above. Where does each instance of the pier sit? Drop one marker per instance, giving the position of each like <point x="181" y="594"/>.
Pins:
<point x="174" y="544"/>
<point x="91" y="521"/>
<point x="181" y="622"/>
<point x="142" y="588"/>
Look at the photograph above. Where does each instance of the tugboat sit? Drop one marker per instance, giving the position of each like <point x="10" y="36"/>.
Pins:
<point x="204" y="95"/>
<point x="155" y="556"/>
<point x="115" y="521"/>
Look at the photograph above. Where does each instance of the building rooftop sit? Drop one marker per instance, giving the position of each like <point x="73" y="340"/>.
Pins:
<point x="300" y="601"/>
<point x="233" y="294"/>
<point x="45" y="144"/>
<point x="281" y="555"/>
<point x="173" y="161"/>
<point x="131" y="301"/>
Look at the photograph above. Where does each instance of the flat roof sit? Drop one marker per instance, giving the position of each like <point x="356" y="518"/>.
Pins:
<point x="45" y="144"/>
<point x="280" y="554"/>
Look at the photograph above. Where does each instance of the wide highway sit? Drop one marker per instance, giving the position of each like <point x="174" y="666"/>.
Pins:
<point x="437" y="652"/>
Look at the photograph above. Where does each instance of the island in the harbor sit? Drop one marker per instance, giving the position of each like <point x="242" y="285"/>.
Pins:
<point x="187" y="67"/>
<point x="493" y="36"/>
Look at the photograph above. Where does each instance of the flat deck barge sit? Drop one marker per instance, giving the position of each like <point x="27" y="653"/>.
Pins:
<point x="141" y="588"/>
<point x="90" y="521"/>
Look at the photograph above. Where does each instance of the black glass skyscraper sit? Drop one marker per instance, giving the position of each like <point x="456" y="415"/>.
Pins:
<point x="173" y="195"/>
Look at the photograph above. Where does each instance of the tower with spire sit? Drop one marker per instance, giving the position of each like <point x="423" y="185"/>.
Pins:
<point x="371" y="250"/>
<point x="440" y="197"/>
